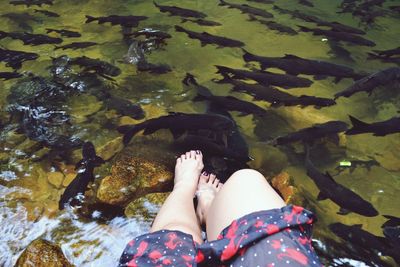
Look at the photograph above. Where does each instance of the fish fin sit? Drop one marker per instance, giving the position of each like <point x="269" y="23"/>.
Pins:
<point x="189" y="78"/>
<point x="222" y="3"/>
<point x="290" y="56"/>
<point x="304" y="29"/>
<point x="89" y="19"/>
<point x="321" y="196"/>
<point x="49" y="30"/>
<point x="129" y="131"/>
<point x="204" y="44"/>
<point x="357" y="126"/>
<point x="176" y="133"/>
<point x="179" y="28"/>
<point x="357" y="225"/>
<point x="337" y="79"/>
<point x="319" y="77"/>
<point x="343" y="211"/>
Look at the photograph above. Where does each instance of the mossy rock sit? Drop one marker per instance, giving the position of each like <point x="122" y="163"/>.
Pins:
<point x="42" y="253"/>
<point x="146" y="208"/>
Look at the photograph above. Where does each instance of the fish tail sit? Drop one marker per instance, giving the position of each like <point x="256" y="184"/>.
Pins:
<point x="358" y="126"/>
<point x="129" y="131"/>
<point x="179" y="28"/>
<point x="222" y="3"/>
<point x="3" y="34"/>
<point x="247" y="56"/>
<point x="49" y="30"/>
<point x="89" y="19"/>
<point x="157" y="5"/>
<point x="57" y="47"/>
<point x="304" y="29"/>
<point x="222" y="69"/>
<point x="189" y="78"/>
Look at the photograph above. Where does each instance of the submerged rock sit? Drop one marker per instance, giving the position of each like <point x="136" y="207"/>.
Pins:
<point x="146" y="208"/>
<point x="42" y="253"/>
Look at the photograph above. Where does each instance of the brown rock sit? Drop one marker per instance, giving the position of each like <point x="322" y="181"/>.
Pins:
<point x="284" y="185"/>
<point x="146" y="208"/>
<point x="42" y="253"/>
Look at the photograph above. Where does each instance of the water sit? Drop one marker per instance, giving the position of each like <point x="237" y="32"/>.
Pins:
<point x="29" y="203"/>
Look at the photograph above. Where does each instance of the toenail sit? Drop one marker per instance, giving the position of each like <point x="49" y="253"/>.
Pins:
<point x="198" y="152"/>
<point x="205" y="173"/>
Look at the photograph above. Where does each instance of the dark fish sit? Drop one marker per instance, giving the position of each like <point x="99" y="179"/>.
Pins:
<point x="339" y="36"/>
<point x="124" y="107"/>
<point x="202" y="22"/>
<point x="178" y="123"/>
<point x="306" y="3"/>
<point x="248" y="9"/>
<point x="381" y="128"/>
<point x="295" y="65"/>
<point x="310" y="134"/>
<point x="64" y="33"/>
<point x="339" y="51"/>
<point x="276" y="97"/>
<point x="76" y="45"/>
<point x="22" y="20"/>
<point x="367" y="164"/>
<point x="391" y="222"/>
<point x="263" y="1"/>
<point x="9" y="75"/>
<point x="151" y="33"/>
<point x="275" y="26"/>
<point x="145" y="66"/>
<point x="83" y="178"/>
<point x="178" y="11"/>
<point x="229" y="103"/>
<point x="265" y="78"/>
<point x="47" y="13"/>
<point x="370" y="82"/>
<point x="29" y="3"/>
<point x="206" y="38"/>
<point x="14" y="58"/>
<point x="31" y="39"/>
<point x="395" y="8"/>
<point x="386" y="53"/>
<point x="342" y="196"/>
<point x="125" y="21"/>
<point x="96" y="65"/>
<point x="355" y="235"/>
<point x="391" y="229"/>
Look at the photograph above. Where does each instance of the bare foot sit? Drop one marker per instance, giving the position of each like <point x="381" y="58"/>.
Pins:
<point x="207" y="188"/>
<point x="187" y="170"/>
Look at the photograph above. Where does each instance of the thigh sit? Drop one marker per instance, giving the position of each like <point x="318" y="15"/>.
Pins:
<point x="246" y="191"/>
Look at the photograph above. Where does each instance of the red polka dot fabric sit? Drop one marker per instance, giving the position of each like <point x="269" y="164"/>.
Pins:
<point x="278" y="237"/>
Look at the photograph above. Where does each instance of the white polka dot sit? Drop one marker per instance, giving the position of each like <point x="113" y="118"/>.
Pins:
<point x="314" y="262"/>
<point x="241" y="246"/>
<point x="211" y="244"/>
<point x="281" y="240"/>
<point x="297" y="249"/>
<point x="269" y="252"/>
<point x="274" y="222"/>
<point x="225" y="246"/>
<point x="267" y="241"/>
<point x="209" y="257"/>
<point x="258" y="218"/>
<point x="242" y="259"/>
<point x="255" y="254"/>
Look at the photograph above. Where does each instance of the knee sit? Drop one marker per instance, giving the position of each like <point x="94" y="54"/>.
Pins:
<point x="248" y="174"/>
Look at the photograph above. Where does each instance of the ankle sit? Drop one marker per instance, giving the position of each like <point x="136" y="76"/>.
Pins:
<point x="183" y="188"/>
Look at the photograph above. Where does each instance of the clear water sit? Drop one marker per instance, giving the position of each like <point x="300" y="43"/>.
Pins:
<point x="28" y="202"/>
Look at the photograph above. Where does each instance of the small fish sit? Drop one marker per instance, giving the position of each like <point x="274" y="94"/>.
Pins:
<point x="125" y="21"/>
<point x="345" y="198"/>
<point x="381" y="128"/>
<point x="262" y="1"/>
<point x="181" y="12"/>
<point x="339" y="51"/>
<point x="76" y="45"/>
<point x="29" y="3"/>
<point x="64" y="33"/>
<point x="9" y="75"/>
<point x="47" y="13"/>
<point x="295" y="65"/>
<point x="339" y="36"/>
<point x="85" y="175"/>
<point x="225" y="102"/>
<point x="370" y="82"/>
<point x="306" y="3"/>
<point x="96" y="65"/>
<point x="31" y="39"/>
<point x="14" y="59"/>
<point x="206" y="38"/>
<point x="386" y="53"/>
<point x="310" y="134"/>
<point x="124" y="107"/>
<point x="276" y="97"/>
<point x="244" y="8"/>
<point x="367" y="164"/>
<point x="202" y="22"/>
<point x="266" y="78"/>
<point x="274" y="26"/>
<point x="178" y="123"/>
<point x="145" y="66"/>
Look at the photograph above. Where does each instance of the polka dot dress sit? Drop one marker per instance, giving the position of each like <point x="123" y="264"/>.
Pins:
<point x="278" y="237"/>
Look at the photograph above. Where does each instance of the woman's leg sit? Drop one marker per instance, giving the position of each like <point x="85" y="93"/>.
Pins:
<point x="177" y="212"/>
<point x="246" y="191"/>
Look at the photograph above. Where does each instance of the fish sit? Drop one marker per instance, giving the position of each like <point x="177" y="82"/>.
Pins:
<point x="151" y="33"/>
<point x="372" y="81"/>
<point x="178" y="123"/>
<point x="295" y="65"/>
<point x="31" y="39"/>
<point x="310" y="134"/>
<point x="124" y="107"/>
<point x="229" y="103"/>
<point x="47" y="13"/>
<point x="339" y="51"/>
<point x="381" y="128"/>
<point x="29" y="3"/>
<point x="355" y="235"/>
<point x="14" y="59"/>
<point x="276" y="97"/>
<point x="272" y="25"/>
<point x="206" y="38"/>
<point x="64" y="33"/>
<point x="339" y="36"/>
<point x="98" y="66"/>
<point x="306" y="3"/>
<point x="145" y="66"/>
<point x="244" y="8"/>
<point x="262" y="1"/>
<point x="9" y="75"/>
<point x="202" y="22"/>
<point x="265" y="78"/>
<point x="391" y="222"/>
<point x="85" y="176"/>
<point x="179" y="11"/>
<point x="76" y="45"/>
<point x="345" y="198"/>
<point x="386" y="53"/>
<point x="125" y="21"/>
<point x="391" y="229"/>
<point x="368" y="164"/>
